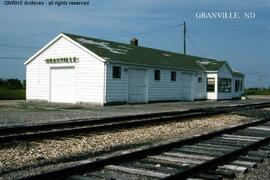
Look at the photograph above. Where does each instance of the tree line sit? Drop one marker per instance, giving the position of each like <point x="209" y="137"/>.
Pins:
<point x="12" y="84"/>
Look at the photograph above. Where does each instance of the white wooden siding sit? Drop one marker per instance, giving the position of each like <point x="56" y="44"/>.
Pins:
<point x="163" y="89"/>
<point x="89" y="78"/>
<point x="240" y="93"/>
<point x="157" y="90"/>
<point x="117" y="89"/>
<point x="199" y="88"/>
<point x="187" y="81"/>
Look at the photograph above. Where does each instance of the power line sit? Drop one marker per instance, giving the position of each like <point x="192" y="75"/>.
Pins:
<point x="18" y="46"/>
<point x="256" y="72"/>
<point x="3" y="57"/>
<point x="145" y="32"/>
<point x="16" y="49"/>
<point x="195" y="46"/>
<point x="249" y="30"/>
<point x="137" y="34"/>
<point x="5" y="46"/>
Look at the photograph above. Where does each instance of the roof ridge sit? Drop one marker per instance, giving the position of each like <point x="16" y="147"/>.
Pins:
<point x="150" y="48"/>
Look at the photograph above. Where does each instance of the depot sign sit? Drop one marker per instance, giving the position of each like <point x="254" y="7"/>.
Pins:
<point x="61" y="60"/>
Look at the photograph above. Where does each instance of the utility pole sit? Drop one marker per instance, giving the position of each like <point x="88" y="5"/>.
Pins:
<point x="185" y="29"/>
<point x="260" y="81"/>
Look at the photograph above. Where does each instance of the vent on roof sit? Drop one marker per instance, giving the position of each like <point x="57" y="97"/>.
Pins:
<point x="134" y="42"/>
<point x="204" y="62"/>
<point x="166" y="55"/>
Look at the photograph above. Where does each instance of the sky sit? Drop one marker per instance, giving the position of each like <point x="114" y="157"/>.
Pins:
<point x="244" y="43"/>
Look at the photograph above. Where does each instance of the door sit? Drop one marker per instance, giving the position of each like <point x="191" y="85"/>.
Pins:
<point x="186" y="86"/>
<point x="137" y="85"/>
<point x="62" y="85"/>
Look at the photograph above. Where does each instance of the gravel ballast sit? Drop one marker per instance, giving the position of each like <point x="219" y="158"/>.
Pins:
<point x="19" y="112"/>
<point x="20" y="155"/>
<point x="262" y="172"/>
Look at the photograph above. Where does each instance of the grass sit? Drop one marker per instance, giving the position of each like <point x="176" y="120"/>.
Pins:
<point x="10" y="94"/>
<point x="257" y="91"/>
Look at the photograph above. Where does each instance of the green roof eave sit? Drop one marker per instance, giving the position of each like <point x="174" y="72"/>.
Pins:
<point x="238" y="74"/>
<point x="156" y="66"/>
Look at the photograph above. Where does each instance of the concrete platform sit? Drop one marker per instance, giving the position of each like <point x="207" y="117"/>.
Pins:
<point x="21" y="112"/>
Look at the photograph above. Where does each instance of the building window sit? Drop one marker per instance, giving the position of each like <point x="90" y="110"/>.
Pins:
<point x="199" y="77"/>
<point x="116" y="72"/>
<point x="241" y="86"/>
<point x="224" y="85"/>
<point x="157" y="74"/>
<point x="173" y="76"/>
<point x="236" y="86"/>
<point x="210" y="84"/>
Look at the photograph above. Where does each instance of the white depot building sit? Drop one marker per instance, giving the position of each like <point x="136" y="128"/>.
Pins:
<point x="78" y="69"/>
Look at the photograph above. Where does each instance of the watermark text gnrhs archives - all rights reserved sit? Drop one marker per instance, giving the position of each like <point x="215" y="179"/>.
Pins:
<point x="46" y="3"/>
<point x="225" y="15"/>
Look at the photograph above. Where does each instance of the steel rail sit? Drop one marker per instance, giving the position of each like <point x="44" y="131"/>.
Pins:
<point x="88" y="121"/>
<point x="50" y="130"/>
<point x="86" y="166"/>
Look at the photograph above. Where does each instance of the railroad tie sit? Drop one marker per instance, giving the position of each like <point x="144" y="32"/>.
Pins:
<point x="137" y="171"/>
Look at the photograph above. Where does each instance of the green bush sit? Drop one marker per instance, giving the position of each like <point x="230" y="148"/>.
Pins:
<point x="12" y="94"/>
<point x="11" y="83"/>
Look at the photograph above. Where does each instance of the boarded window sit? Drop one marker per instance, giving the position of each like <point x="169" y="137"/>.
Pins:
<point x="116" y="72"/>
<point x="210" y="84"/>
<point x="157" y="74"/>
<point x="224" y="85"/>
<point x="173" y="76"/>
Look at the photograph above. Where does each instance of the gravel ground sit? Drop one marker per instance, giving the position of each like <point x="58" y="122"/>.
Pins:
<point x="255" y="113"/>
<point x="258" y="97"/>
<point x="21" y="112"/>
<point x="262" y="172"/>
<point x="24" y="155"/>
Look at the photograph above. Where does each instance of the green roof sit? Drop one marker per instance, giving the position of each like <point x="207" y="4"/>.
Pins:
<point x="238" y="74"/>
<point x="129" y="54"/>
<point x="137" y="55"/>
<point x="212" y="65"/>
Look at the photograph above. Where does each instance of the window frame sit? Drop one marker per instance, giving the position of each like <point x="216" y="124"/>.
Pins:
<point x="241" y="85"/>
<point x="157" y="75"/>
<point x="214" y="85"/>
<point x="200" y="79"/>
<point x="116" y="72"/>
<point x="224" y="85"/>
<point x="173" y="75"/>
<point x="237" y="86"/>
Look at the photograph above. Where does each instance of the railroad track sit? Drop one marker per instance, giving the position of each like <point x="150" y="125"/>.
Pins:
<point x="49" y="130"/>
<point x="216" y="155"/>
